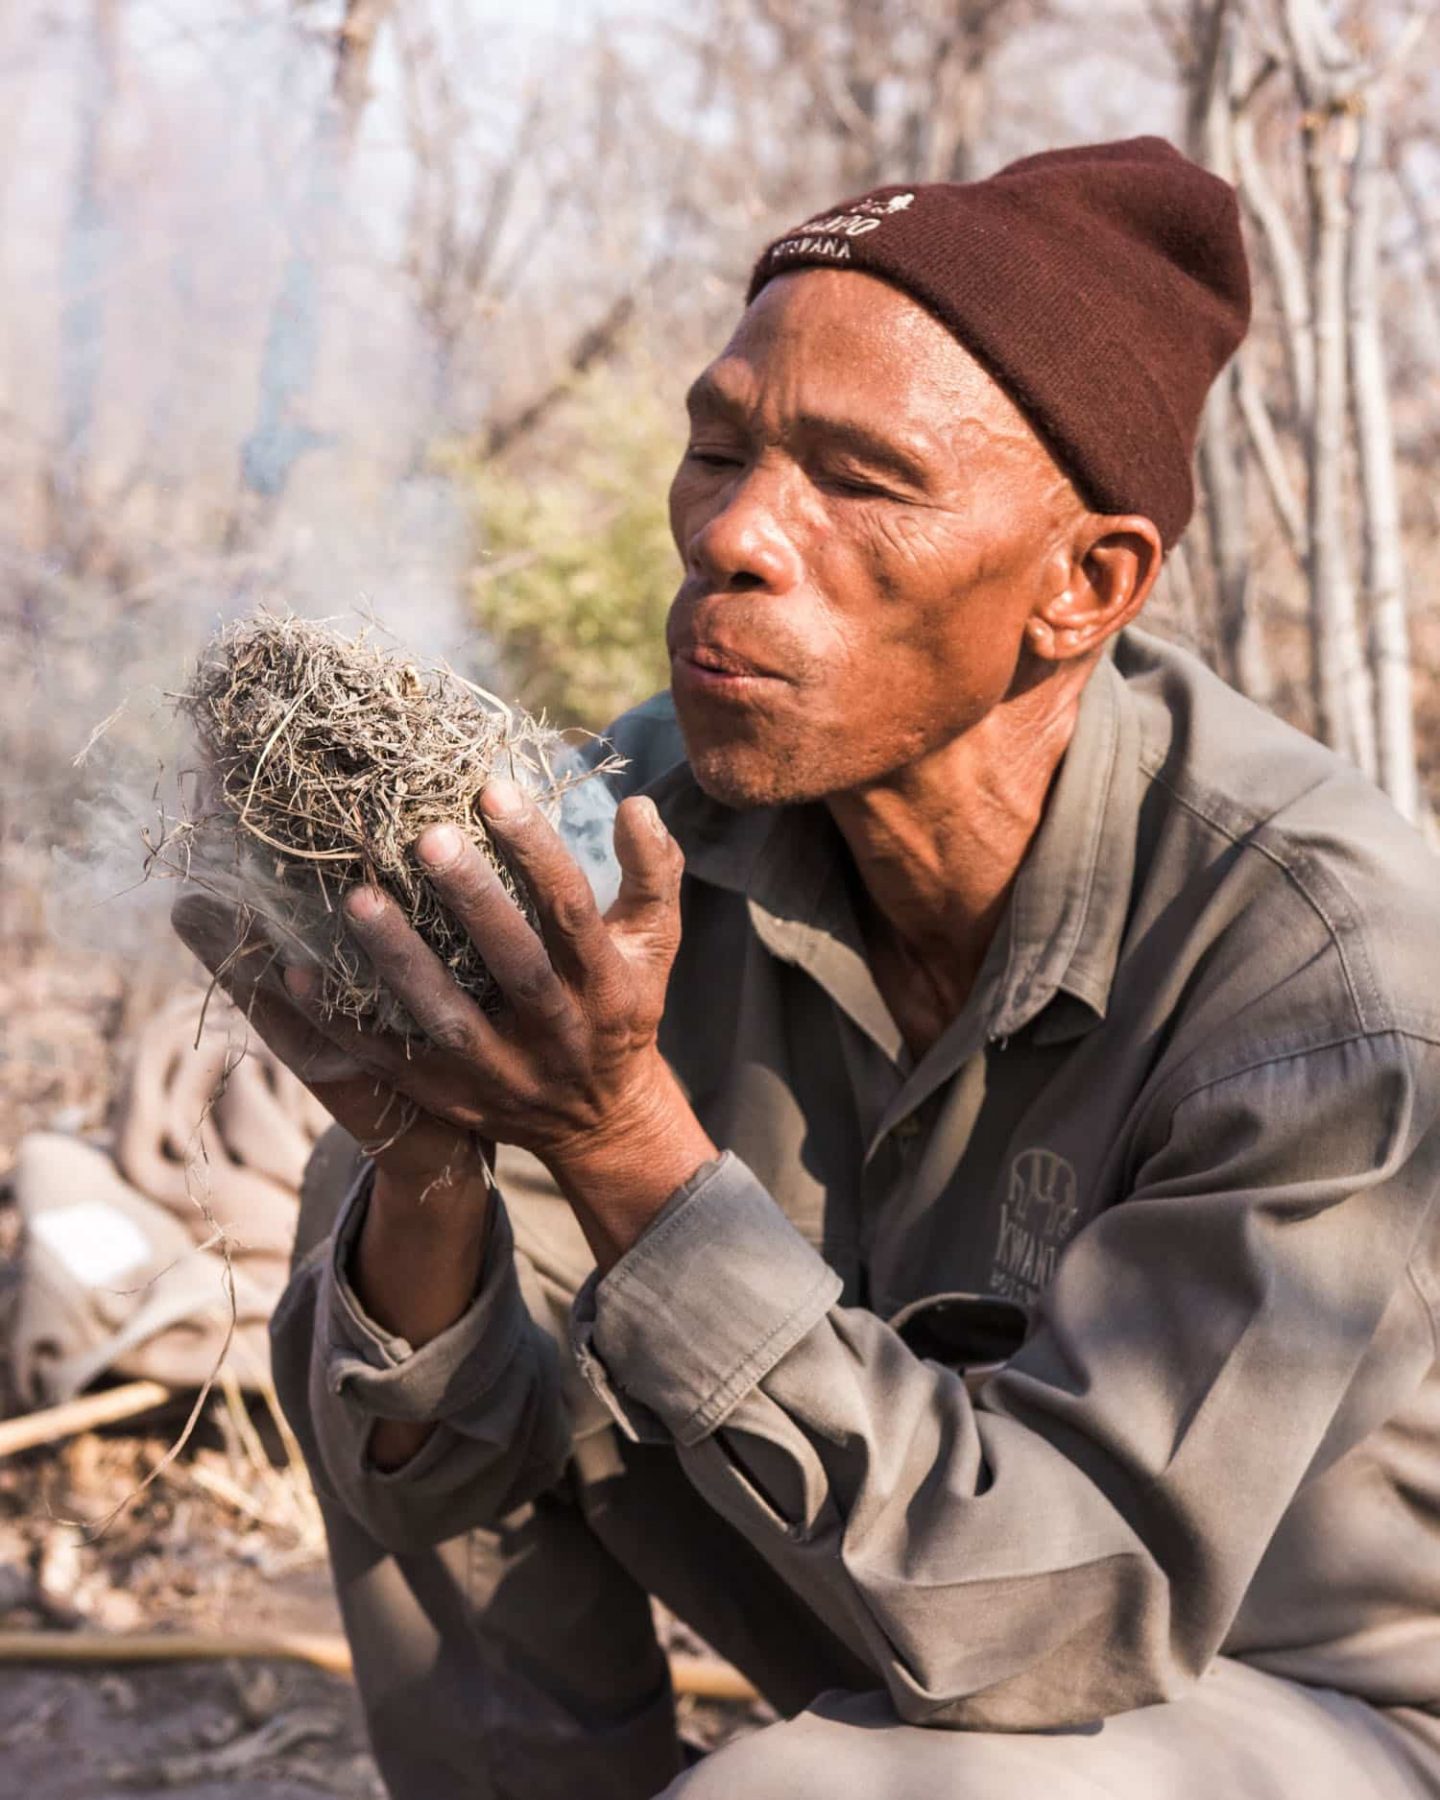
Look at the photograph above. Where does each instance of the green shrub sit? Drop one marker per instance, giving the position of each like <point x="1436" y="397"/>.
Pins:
<point x="576" y="569"/>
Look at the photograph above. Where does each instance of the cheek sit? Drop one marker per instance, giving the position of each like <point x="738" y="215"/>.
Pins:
<point x="950" y="617"/>
<point x="911" y="547"/>
<point x="927" y="578"/>
<point x="834" y="638"/>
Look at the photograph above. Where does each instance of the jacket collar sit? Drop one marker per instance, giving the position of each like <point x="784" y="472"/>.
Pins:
<point x="1067" y="913"/>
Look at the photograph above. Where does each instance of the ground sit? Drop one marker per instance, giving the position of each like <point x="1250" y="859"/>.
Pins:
<point x="178" y="1558"/>
<point x="183" y="1558"/>
<point x="194" y="1737"/>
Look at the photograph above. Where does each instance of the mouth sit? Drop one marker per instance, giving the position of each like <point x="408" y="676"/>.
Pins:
<point x="709" y="668"/>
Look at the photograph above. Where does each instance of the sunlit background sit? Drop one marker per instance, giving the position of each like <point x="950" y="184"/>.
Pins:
<point x="384" y="309"/>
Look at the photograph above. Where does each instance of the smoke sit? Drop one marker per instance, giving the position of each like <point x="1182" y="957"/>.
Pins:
<point x="160" y="174"/>
<point x="587" y="826"/>
<point x="228" y="355"/>
<point x="112" y="799"/>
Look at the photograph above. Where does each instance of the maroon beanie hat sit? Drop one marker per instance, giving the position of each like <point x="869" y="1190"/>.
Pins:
<point x="1104" y="287"/>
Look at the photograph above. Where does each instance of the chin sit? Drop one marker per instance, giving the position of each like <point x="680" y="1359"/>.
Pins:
<point x="741" y="782"/>
<point x="746" y="777"/>
<point x="753" y="759"/>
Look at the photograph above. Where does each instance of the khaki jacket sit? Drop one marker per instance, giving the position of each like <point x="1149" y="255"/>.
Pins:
<point x="1099" y="1340"/>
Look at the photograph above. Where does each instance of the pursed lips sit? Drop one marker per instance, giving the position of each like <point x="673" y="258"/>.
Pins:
<point x="710" y="665"/>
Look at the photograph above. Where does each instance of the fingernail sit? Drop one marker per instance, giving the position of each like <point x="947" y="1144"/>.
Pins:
<point x="364" y="903"/>
<point x="439" y="846"/>
<point x="502" y="799"/>
<point x="652" y="817"/>
<point x="300" y="982"/>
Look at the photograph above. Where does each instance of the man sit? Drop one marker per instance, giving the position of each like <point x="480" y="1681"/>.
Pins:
<point x="1011" y="1333"/>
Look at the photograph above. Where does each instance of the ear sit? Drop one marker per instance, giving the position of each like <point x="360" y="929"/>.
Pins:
<point x="1103" y="578"/>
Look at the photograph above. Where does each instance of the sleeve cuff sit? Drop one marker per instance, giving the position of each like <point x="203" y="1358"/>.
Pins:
<point x="701" y="1308"/>
<point x="384" y="1374"/>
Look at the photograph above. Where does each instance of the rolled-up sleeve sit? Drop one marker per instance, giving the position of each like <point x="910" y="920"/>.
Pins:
<point x="691" y="1345"/>
<point x="1076" y="1539"/>
<point x="490" y="1384"/>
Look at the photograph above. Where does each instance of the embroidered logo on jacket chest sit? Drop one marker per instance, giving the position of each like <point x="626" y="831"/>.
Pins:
<point x="1038" y="1213"/>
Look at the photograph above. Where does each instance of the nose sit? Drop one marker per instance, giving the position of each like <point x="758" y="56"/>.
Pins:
<point x="744" y="547"/>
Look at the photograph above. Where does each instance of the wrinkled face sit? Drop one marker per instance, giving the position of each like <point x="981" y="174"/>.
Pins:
<point x="866" y="522"/>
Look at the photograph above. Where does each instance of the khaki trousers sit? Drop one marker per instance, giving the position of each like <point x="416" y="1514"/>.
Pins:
<point x="521" y="1663"/>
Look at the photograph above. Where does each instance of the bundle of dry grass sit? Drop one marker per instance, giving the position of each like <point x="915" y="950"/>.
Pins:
<point x="323" y="759"/>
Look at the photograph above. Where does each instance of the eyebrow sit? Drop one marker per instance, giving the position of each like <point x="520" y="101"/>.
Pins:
<point x="708" y="395"/>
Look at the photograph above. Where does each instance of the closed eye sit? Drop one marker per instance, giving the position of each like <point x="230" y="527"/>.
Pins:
<point x="857" y="488"/>
<point x="713" y="459"/>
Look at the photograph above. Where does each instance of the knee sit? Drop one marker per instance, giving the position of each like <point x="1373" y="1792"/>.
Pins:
<point x="752" y="1766"/>
<point x="810" y="1757"/>
<point x="854" y="1744"/>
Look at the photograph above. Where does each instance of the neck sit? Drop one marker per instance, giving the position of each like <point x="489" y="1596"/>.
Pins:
<point x="937" y="846"/>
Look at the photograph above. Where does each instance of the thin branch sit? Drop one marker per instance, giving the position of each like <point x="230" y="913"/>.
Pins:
<point x="1343" y="700"/>
<point x="1265" y="445"/>
<point x="1287" y="265"/>
<point x="1384" y="566"/>
<point x="592" y="346"/>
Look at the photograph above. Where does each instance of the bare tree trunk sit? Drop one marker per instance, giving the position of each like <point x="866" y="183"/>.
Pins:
<point x="1265" y="447"/>
<point x="1384" y="570"/>
<point x="1427" y="248"/>
<point x="353" y="55"/>
<point x="1214" y="29"/>
<point x="1222" y="474"/>
<point x="1342" y="683"/>
<point x="1287" y="264"/>
<point x="1343" y="701"/>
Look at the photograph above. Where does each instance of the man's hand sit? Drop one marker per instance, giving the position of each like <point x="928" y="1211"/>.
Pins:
<point x="411" y="1148"/>
<point x="571" y="1069"/>
<point x="418" y="1260"/>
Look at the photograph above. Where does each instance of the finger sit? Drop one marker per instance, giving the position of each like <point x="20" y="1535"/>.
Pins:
<point x="367" y="1105"/>
<point x="381" y="1054"/>
<point x="243" y="965"/>
<point x="651" y="864"/>
<point x="226" y="941"/>
<point x="473" y="892"/>
<point x="431" y="1079"/>
<point x="570" y="922"/>
<point x="218" y="933"/>
<point x="417" y="978"/>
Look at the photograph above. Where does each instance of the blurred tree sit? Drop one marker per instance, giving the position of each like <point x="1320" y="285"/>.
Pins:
<point x="1213" y="57"/>
<point x="893" y="94"/>
<point x="90" y="242"/>
<point x="378" y="226"/>
<point x="577" y="568"/>
<point x="292" y="339"/>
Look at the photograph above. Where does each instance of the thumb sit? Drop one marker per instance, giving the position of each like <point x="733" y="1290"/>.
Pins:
<point x="645" y="915"/>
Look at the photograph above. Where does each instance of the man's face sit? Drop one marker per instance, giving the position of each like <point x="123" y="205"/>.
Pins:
<point x="866" y="521"/>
